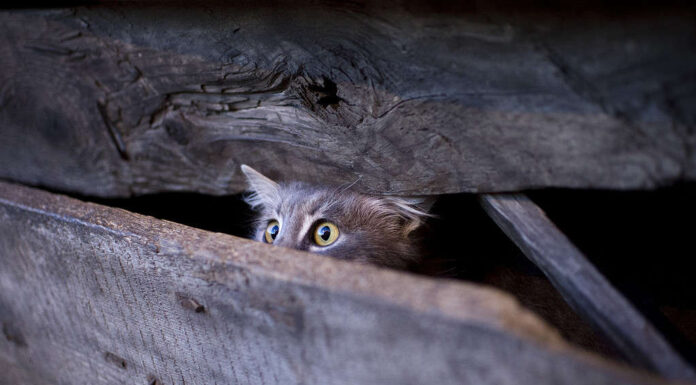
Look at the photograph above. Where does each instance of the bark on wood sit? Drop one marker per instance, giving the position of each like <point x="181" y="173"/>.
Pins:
<point x="411" y="98"/>
<point x="583" y="286"/>
<point x="93" y="295"/>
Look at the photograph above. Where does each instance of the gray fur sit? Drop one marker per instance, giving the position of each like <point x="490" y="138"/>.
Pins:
<point x="379" y="230"/>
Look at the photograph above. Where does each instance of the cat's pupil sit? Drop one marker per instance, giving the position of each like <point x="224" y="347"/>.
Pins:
<point x="325" y="233"/>
<point x="274" y="231"/>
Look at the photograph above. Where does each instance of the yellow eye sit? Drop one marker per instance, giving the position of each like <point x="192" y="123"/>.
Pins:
<point x="272" y="231"/>
<point x="325" y="234"/>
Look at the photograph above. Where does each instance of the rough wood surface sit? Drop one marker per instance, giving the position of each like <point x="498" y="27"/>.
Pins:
<point x="583" y="286"/>
<point x="94" y="295"/>
<point x="411" y="98"/>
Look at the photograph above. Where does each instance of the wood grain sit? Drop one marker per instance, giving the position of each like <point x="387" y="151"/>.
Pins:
<point x="94" y="295"/>
<point x="583" y="286"/>
<point x="408" y="97"/>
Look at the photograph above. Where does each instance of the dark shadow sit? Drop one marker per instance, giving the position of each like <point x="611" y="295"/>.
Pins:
<point x="222" y="214"/>
<point x="644" y="243"/>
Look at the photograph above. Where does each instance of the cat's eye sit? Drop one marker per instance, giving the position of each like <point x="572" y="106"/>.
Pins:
<point x="325" y="234"/>
<point x="272" y="231"/>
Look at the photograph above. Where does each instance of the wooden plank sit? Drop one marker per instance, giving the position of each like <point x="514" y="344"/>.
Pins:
<point x="583" y="286"/>
<point x="94" y="295"/>
<point x="409" y="98"/>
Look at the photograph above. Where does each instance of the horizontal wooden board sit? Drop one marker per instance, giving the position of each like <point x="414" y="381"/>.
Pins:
<point x="94" y="295"/>
<point x="406" y="98"/>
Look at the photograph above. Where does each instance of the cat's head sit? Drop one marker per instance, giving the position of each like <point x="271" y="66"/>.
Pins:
<point x="336" y="221"/>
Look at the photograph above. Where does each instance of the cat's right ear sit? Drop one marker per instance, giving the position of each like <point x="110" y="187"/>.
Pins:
<point x="264" y="191"/>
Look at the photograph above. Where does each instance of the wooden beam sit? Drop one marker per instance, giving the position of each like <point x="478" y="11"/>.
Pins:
<point x="408" y="97"/>
<point x="90" y="294"/>
<point x="583" y="287"/>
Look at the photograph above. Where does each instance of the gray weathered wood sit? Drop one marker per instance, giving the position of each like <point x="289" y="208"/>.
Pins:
<point x="412" y="98"/>
<point x="583" y="286"/>
<point x="94" y="295"/>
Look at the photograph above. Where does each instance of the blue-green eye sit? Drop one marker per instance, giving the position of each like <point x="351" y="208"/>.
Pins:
<point x="272" y="231"/>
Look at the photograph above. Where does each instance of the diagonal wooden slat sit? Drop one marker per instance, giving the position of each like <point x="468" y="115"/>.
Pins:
<point x="583" y="286"/>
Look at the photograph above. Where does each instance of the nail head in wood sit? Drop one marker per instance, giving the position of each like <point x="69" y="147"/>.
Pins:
<point x="190" y="303"/>
<point x="116" y="360"/>
<point x="13" y="334"/>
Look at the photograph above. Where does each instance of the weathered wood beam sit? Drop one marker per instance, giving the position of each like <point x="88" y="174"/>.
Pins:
<point x="94" y="295"/>
<point x="411" y="98"/>
<point x="583" y="287"/>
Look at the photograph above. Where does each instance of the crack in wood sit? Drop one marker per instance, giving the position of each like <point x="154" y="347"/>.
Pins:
<point x="113" y="131"/>
<point x="326" y="93"/>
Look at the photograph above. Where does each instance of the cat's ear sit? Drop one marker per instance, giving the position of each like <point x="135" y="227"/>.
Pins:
<point x="413" y="210"/>
<point x="422" y="203"/>
<point x="264" y="191"/>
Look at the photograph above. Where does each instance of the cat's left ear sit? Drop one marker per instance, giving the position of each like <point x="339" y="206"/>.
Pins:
<point x="264" y="191"/>
<point x="414" y="210"/>
<point x="421" y="203"/>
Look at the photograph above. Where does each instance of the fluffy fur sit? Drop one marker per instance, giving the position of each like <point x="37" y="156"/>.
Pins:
<point x="379" y="230"/>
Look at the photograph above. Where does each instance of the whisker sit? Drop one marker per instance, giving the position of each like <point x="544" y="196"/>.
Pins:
<point x="343" y="187"/>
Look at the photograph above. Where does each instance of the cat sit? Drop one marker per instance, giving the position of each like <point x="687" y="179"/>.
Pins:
<point x="337" y="222"/>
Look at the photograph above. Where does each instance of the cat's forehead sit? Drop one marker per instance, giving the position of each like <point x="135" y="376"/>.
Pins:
<point x="307" y="199"/>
